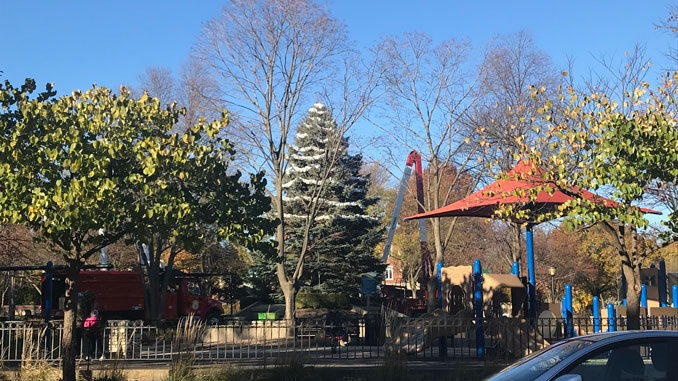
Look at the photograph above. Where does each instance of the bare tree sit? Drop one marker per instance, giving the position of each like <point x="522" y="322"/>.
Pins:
<point x="504" y="116"/>
<point x="198" y="93"/>
<point x="670" y="25"/>
<point x="618" y="77"/>
<point x="159" y="83"/>
<point x="271" y="58"/>
<point x="195" y="90"/>
<point x="427" y="95"/>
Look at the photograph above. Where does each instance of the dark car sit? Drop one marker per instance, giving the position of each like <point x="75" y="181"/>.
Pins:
<point x="611" y="356"/>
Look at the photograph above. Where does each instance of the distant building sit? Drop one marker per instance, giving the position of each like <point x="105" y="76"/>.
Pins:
<point x="393" y="275"/>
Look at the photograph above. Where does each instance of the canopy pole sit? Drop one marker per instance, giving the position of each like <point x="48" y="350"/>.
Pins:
<point x="531" y="295"/>
<point x="478" y="308"/>
<point x="662" y="284"/>
<point x="623" y="286"/>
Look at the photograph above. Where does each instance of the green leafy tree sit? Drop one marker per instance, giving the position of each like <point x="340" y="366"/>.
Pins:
<point x="80" y="163"/>
<point x="60" y="164"/>
<point x="186" y="195"/>
<point x="599" y="148"/>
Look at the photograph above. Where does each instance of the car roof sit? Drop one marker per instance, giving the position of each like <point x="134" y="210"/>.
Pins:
<point x="628" y="334"/>
<point x="625" y="335"/>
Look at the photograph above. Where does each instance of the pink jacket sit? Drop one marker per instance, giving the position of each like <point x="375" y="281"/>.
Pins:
<point x="90" y="322"/>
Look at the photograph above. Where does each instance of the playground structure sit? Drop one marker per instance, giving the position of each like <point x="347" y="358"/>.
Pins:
<point x="455" y="283"/>
<point x="503" y="294"/>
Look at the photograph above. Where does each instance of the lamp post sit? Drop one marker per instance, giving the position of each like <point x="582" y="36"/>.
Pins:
<point x="552" y="272"/>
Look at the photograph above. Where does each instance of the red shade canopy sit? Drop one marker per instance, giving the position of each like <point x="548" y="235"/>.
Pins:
<point x="521" y="179"/>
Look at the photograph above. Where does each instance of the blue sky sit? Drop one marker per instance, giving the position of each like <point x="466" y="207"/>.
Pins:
<point x="77" y="43"/>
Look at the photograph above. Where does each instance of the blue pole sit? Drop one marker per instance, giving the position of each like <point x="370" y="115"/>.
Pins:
<point x="563" y="312"/>
<point x="568" y="310"/>
<point x="48" y="291"/>
<point x="531" y="295"/>
<point x="478" y="307"/>
<point x="596" y="315"/>
<point x="643" y="295"/>
<point x="439" y="269"/>
<point x="610" y="317"/>
<point x="515" y="269"/>
<point x="674" y="295"/>
<point x="662" y="284"/>
<point x="623" y="286"/>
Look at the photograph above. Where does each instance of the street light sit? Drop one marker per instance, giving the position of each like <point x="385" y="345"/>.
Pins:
<point x="552" y="272"/>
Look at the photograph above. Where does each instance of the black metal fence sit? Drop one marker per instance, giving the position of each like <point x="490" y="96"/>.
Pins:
<point x="440" y="337"/>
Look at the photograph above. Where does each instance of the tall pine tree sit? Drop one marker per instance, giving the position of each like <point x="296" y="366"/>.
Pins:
<point x="343" y="234"/>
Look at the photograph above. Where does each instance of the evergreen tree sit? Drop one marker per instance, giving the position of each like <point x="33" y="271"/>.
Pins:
<point x="343" y="235"/>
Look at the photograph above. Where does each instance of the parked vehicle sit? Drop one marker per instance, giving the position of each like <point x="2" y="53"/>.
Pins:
<point x="120" y="295"/>
<point x="611" y="356"/>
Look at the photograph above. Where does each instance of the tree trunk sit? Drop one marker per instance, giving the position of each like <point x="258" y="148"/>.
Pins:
<point x="432" y="286"/>
<point x="438" y="243"/>
<point x="152" y="303"/>
<point x="287" y="286"/>
<point x="11" y="305"/>
<point x="290" y="293"/>
<point x="69" y="337"/>
<point x="516" y="252"/>
<point x="290" y="297"/>
<point x="633" y="289"/>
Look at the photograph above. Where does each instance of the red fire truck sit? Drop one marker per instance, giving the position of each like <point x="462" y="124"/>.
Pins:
<point x="120" y="295"/>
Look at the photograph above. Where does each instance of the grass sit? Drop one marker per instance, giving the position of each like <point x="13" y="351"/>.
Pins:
<point x="188" y="333"/>
<point x="34" y="365"/>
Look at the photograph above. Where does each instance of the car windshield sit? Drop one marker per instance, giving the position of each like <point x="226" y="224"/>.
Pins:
<point x="539" y="362"/>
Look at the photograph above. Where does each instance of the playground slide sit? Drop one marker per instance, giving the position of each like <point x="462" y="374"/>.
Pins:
<point x="412" y="335"/>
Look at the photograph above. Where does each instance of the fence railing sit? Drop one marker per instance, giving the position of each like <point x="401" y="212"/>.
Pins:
<point x="442" y="337"/>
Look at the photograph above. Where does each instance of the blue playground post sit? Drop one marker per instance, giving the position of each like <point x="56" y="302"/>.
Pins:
<point x="569" y="327"/>
<point x="661" y="283"/>
<point x="596" y="315"/>
<point x="531" y="295"/>
<point x="478" y="307"/>
<point x="610" y="317"/>
<point x="515" y="269"/>
<point x="48" y="291"/>
<point x="623" y="287"/>
<point x="643" y="295"/>
<point x="674" y="295"/>
<point x="439" y="268"/>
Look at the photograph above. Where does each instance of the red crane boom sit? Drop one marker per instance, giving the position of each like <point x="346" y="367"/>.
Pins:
<point x="413" y="160"/>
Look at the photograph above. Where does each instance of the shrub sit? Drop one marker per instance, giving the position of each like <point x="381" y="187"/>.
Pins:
<point x="226" y="373"/>
<point x="317" y="300"/>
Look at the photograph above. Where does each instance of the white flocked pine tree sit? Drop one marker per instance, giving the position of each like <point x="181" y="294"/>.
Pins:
<point x="343" y="235"/>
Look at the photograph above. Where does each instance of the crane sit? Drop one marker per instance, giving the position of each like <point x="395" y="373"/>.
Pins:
<point x="413" y="160"/>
